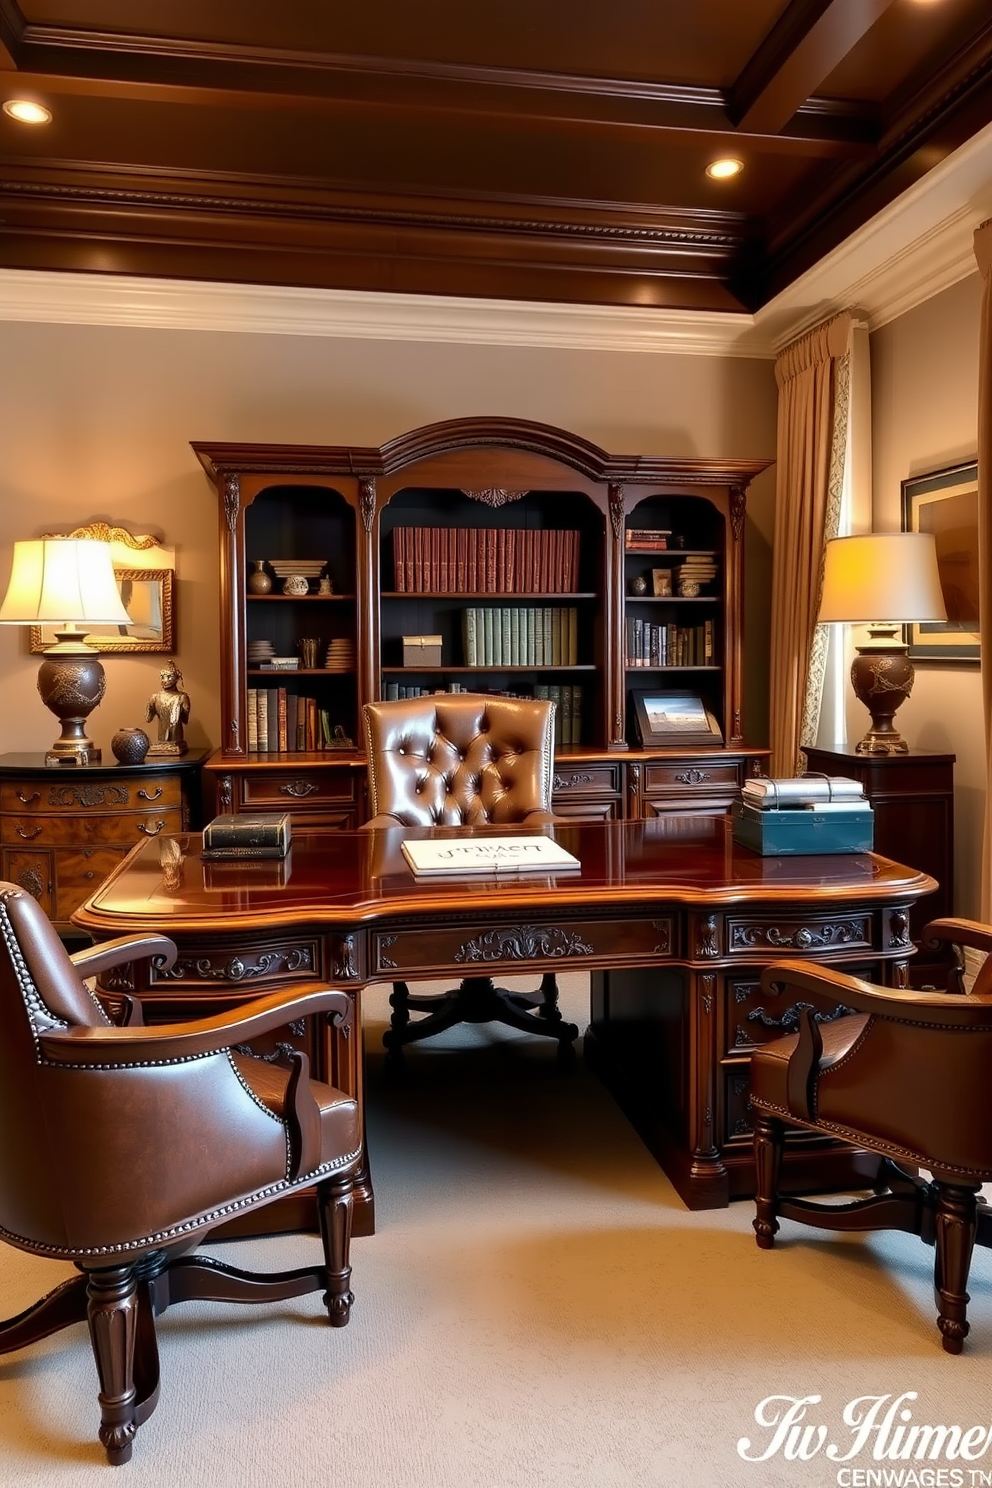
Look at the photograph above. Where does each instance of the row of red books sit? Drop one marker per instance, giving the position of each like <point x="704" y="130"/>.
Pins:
<point x="485" y="560"/>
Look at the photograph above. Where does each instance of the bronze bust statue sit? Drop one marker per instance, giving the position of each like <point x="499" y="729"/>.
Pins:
<point x="170" y="706"/>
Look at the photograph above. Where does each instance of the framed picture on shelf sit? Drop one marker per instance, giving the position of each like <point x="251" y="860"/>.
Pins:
<point x="661" y="582"/>
<point x="667" y="720"/>
<point x="945" y="502"/>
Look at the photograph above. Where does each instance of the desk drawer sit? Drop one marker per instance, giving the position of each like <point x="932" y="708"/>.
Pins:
<point x="143" y="793"/>
<point x="755" y="1017"/>
<point x="690" y="778"/>
<point x="813" y="934"/>
<point x="72" y="830"/>
<point x="297" y="790"/>
<point x="477" y="952"/>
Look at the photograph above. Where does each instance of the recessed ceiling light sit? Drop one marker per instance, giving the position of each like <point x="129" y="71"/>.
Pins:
<point x="26" y="111"/>
<point x="722" y="170"/>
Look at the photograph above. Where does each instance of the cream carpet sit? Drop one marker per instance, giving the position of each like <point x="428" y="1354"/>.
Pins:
<point x="537" y="1308"/>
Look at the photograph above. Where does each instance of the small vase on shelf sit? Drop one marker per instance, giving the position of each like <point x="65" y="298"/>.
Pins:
<point x="259" y="581"/>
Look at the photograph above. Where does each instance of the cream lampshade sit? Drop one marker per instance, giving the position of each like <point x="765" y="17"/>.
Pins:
<point x="882" y="580"/>
<point x="68" y="583"/>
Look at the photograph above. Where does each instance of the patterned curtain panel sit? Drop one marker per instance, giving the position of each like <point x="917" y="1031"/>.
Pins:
<point x="983" y="253"/>
<point x="813" y="403"/>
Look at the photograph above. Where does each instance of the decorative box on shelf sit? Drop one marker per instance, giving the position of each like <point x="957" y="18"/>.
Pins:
<point x="422" y="651"/>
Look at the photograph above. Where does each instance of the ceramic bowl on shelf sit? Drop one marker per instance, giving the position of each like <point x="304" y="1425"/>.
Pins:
<point x="296" y="585"/>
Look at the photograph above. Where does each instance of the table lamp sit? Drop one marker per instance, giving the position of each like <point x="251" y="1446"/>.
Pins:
<point x="67" y="583"/>
<point x="882" y="580"/>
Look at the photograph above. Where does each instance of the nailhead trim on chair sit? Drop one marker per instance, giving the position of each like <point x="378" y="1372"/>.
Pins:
<point x="176" y="1232"/>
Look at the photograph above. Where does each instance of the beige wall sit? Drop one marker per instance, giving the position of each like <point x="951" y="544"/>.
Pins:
<point x="96" y="422"/>
<point x="924" y="370"/>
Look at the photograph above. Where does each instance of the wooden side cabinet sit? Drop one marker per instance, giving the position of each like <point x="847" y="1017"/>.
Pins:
<point x="912" y="796"/>
<point x="63" y="830"/>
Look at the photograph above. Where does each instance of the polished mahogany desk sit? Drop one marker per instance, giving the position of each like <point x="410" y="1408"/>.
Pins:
<point x="672" y="919"/>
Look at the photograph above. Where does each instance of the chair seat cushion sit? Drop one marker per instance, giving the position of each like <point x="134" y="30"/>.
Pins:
<point x="340" y="1129"/>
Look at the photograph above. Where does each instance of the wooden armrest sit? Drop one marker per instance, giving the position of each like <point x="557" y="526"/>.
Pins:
<point x="960" y="932"/>
<point x="176" y="1041"/>
<point x="804" y="1064"/>
<point x="902" y="1004"/>
<point x="92" y="960"/>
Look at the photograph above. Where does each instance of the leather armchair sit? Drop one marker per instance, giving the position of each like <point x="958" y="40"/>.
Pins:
<point x="465" y="759"/>
<point x="905" y="1076"/>
<point x="122" y="1147"/>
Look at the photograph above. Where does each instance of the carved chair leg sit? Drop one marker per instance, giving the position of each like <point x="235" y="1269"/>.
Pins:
<point x="112" y="1313"/>
<point x="399" y="1021"/>
<point x="769" y="1138"/>
<point x="334" y="1208"/>
<point x="549" y="1008"/>
<point x="956" y="1228"/>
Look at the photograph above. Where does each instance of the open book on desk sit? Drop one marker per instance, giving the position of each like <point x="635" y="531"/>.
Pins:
<point x="451" y="855"/>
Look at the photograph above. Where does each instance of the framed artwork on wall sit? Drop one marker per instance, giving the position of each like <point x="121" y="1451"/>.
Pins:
<point x="945" y="502"/>
<point x="667" y="720"/>
<point x="147" y="595"/>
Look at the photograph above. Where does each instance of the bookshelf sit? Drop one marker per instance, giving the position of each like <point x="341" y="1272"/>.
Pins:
<point x="478" y="555"/>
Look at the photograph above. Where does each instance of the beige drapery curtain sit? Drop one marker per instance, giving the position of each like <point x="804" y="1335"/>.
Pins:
<point x="983" y="253"/>
<point x="813" y="382"/>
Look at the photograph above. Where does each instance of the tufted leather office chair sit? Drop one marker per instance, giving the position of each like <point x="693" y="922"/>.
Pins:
<point x="121" y="1147"/>
<point x="904" y="1075"/>
<point x="456" y="759"/>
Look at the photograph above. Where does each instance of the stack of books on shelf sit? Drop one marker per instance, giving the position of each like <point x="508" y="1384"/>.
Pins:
<point x="670" y="645"/>
<point x="647" y="539"/>
<point x="281" y="722"/>
<point x="805" y="814"/>
<point x="525" y="635"/>
<point x="485" y="560"/>
<point x="394" y="690"/>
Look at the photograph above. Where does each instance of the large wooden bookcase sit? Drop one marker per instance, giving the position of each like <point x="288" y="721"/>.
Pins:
<point x="398" y="528"/>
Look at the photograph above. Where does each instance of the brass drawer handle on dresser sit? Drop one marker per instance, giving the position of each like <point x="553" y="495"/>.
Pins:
<point x="28" y="832"/>
<point x="692" y="777"/>
<point x="27" y="800"/>
<point x="144" y="795"/>
<point x="151" y="831"/>
<point x="298" y="788"/>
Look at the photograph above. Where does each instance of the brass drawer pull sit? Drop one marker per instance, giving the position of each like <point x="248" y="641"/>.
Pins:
<point x="28" y="832"/>
<point x="26" y="800"/>
<point x="151" y="831"/>
<point x="692" y="777"/>
<point x="298" y="788"/>
<point x="144" y="795"/>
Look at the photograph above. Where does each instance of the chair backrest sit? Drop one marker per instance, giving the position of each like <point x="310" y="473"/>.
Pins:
<point x="460" y="758"/>
<point x="40" y="990"/>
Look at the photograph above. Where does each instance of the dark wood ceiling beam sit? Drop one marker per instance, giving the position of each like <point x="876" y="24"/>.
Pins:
<point x="11" y="33"/>
<point x="225" y="76"/>
<point x="810" y="39"/>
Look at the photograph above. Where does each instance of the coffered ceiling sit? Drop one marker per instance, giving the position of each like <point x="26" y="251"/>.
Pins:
<point x="548" y="150"/>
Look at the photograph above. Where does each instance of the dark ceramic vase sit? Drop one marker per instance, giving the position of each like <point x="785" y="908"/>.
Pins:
<point x="130" y="745"/>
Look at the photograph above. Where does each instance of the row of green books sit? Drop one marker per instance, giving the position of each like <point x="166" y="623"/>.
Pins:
<point x="568" y="712"/>
<point x="526" y="635"/>
<point x="669" y="645"/>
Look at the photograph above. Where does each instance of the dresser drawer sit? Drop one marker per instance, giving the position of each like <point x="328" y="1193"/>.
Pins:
<point x="79" y="873"/>
<point x="74" y="829"/>
<point x="39" y="798"/>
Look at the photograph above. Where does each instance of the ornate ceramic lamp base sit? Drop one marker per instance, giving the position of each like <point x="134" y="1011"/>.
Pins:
<point x="882" y="677"/>
<point x="71" y="682"/>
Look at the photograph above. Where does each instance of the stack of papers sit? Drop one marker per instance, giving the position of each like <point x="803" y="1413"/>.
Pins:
<point x="433" y="857"/>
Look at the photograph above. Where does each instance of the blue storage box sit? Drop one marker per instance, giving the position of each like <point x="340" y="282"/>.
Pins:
<point x="804" y="830"/>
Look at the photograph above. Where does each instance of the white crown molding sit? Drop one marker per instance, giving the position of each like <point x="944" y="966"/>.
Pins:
<point x="919" y="245"/>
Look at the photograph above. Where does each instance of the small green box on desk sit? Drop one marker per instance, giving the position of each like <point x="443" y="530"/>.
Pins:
<point x="804" y="830"/>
